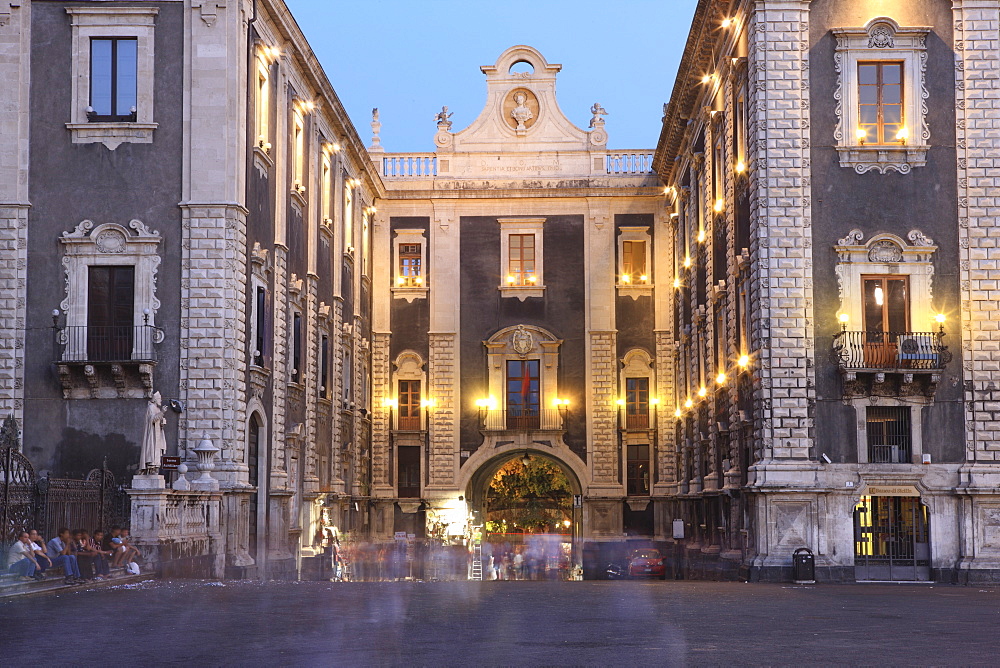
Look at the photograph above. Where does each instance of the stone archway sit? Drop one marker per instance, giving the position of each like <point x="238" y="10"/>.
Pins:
<point x="561" y="506"/>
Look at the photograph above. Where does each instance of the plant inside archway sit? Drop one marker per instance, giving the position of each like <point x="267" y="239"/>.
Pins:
<point x="530" y="497"/>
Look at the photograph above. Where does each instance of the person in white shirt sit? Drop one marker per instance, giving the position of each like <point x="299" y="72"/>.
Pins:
<point x="21" y="557"/>
<point x="38" y="547"/>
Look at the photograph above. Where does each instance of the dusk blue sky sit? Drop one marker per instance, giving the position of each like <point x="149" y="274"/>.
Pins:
<point x="410" y="57"/>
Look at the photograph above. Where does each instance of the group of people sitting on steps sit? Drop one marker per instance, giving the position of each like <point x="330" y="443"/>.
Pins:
<point x="82" y="557"/>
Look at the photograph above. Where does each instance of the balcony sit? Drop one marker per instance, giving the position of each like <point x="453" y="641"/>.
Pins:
<point x="522" y="420"/>
<point x="109" y="344"/>
<point x="891" y="360"/>
<point x="107" y="362"/>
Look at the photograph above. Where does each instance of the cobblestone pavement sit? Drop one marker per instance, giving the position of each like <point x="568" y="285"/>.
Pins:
<point x="506" y="623"/>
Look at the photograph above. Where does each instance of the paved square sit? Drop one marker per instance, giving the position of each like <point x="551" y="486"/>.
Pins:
<point x="511" y="623"/>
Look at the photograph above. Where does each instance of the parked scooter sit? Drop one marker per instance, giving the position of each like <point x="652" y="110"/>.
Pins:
<point x="615" y="572"/>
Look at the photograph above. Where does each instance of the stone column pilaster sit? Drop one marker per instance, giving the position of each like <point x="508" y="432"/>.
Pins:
<point x="977" y="35"/>
<point x="781" y="280"/>
<point x="15" y="63"/>
<point x="442" y="375"/>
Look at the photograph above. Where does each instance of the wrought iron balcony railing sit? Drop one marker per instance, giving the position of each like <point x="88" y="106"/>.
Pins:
<point x="109" y="343"/>
<point x="890" y="351"/>
<point x="522" y="420"/>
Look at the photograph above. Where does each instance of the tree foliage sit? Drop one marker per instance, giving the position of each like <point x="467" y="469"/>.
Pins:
<point x="533" y="497"/>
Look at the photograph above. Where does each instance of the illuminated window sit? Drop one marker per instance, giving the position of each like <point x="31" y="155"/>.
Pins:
<point x="881" y="96"/>
<point x="410" y="265"/>
<point x="326" y="195"/>
<point x="880" y="100"/>
<point x="521" y="259"/>
<point x="634" y="259"/>
<point x="263" y="106"/>
<point x="637" y="403"/>
<point x="523" y="394"/>
<point x="408" y="402"/>
<point x="298" y="152"/>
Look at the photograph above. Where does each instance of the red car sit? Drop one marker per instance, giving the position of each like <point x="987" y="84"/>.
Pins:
<point x="646" y="563"/>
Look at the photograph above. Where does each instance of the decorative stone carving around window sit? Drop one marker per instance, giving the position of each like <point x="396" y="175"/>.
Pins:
<point x="522" y="226"/>
<point x="887" y="254"/>
<point x="882" y="39"/>
<point x="130" y="374"/>
<point x="112" y="21"/>
<point x="520" y="343"/>
<point x="638" y="283"/>
<point x="401" y="289"/>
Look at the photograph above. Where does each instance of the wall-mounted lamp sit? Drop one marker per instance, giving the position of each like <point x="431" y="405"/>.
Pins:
<point x="428" y="404"/>
<point x="677" y="284"/>
<point x="843" y="318"/>
<point x="525" y="459"/>
<point x="687" y="261"/>
<point x="740" y="167"/>
<point x="510" y="280"/>
<point x="688" y="403"/>
<point x="861" y="134"/>
<point x="702" y="391"/>
<point x="721" y="378"/>
<point x="726" y="22"/>
<point x="626" y="278"/>
<point x="743" y="362"/>
<point x="719" y="205"/>
<point x="939" y="319"/>
<point x="902" y="135"/>
<point x="390" y="403"/>
<point x="55" y="318"/>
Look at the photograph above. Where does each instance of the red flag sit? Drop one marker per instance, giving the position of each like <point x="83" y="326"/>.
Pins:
<point x="525" y="385"/>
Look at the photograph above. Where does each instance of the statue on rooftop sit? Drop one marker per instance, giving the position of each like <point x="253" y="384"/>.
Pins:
<point x="597" y="110"/>
<point x="443" y="117"/>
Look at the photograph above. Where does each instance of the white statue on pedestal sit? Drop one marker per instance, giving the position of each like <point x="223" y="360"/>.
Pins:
<point x="154" y="443"/>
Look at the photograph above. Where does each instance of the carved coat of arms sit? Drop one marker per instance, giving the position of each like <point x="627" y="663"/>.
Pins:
<point x="521" y="341"/>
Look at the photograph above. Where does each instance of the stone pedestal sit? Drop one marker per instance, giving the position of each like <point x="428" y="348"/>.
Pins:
<point x="177" y="532"/>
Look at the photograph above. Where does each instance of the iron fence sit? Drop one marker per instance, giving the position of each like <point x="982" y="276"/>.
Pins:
<point x="84" y="343"/>
<point x="95" y="502"/>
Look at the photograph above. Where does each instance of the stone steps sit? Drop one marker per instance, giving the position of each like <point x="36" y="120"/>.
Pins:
<point x="12" y="586"/>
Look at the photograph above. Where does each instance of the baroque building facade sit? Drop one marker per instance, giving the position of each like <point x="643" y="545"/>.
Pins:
<point x="830" y="167"/>
<point x="775" y="332"/>
<point x="523" y="282"/>
<point x="198" y="203"/>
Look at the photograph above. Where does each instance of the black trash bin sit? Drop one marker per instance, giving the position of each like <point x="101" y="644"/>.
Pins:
<point x="803" y="566"/>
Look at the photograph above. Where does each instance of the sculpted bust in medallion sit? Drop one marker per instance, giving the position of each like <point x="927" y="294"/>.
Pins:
<point x="521" y="113"/>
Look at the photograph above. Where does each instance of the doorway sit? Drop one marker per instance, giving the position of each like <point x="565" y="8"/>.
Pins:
<point x="891" y="539"/>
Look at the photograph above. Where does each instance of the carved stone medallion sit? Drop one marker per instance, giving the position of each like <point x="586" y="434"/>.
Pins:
<point x="885" y="251"/>
<point x="110" y="241"/>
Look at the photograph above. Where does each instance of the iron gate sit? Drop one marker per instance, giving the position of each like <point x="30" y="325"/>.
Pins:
<point x="18" y="494"/>
<point x="96" y="502"/>
<point x="891" y="539"/>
